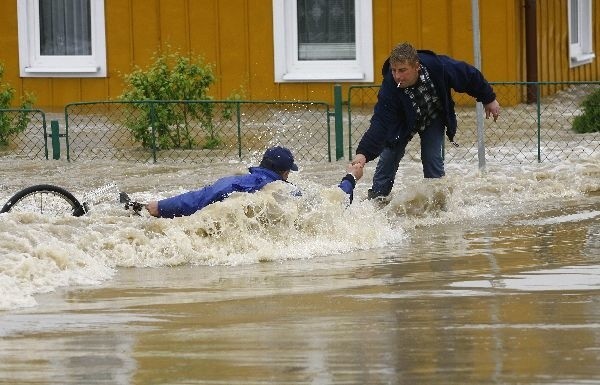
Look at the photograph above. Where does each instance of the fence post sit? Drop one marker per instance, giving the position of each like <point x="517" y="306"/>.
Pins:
<point x="54" y="134"/>
<point x="339" y="122"/>
<point x="153" y="128"/>
<point x="480" y="136"/>
<point x="539" y="121"/>
<point x="477" y="61"/>
<point x="239" y="127"/>
<point x="66" y="135"/>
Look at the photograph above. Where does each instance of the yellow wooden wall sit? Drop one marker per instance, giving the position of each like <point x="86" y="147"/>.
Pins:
<point x="236" y="36"/>
<point x="553" y="46"/>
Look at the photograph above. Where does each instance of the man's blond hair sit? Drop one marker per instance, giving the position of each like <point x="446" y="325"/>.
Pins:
<point x="404" y="53"/>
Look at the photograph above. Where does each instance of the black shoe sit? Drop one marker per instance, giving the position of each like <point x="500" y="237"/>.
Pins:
<point x="379" y="199"/>
<point x="371" y="194"/>
<point x="124" y="198"/>
<point x="129" y="204"/>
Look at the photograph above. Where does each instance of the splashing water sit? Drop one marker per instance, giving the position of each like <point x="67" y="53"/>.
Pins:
<point x="41" y="253"/>
<point x="109" y="190"/>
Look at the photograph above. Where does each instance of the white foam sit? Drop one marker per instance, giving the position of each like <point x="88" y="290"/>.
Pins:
<point x="41" y="253"/>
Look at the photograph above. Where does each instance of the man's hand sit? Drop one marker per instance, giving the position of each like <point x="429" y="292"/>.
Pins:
<point x="359" y="158"/>
<point x="152" y="208"/>
<point x="492" y="109"/>
<point x="356" y="169"/>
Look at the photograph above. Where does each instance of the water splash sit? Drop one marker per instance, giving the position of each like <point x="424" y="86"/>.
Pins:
<point x="108" y="191"/>
<point x="41" y="253"/>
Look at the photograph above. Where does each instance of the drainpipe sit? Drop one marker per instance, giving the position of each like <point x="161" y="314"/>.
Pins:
<point x="531" y="49"/>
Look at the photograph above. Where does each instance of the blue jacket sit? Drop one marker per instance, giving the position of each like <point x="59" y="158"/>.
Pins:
<point x="190" y="202"/>
<point x="394" y="117"/>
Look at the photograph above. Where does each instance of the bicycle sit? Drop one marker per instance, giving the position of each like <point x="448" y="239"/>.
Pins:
<point x="54" y="200"/>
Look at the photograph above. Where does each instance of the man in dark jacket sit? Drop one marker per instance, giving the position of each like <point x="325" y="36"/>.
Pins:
<point x="276" y="165"/>
<point x="415" y="98"/>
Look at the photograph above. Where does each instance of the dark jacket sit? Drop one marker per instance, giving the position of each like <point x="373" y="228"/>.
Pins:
<point x="190" y="202"/>
<point x="394" y="117"/>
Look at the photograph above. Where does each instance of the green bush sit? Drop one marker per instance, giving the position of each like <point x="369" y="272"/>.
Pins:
<point x="171" y="77"/>
<point x="9" y="125"/>
<point x="589" y="121"/>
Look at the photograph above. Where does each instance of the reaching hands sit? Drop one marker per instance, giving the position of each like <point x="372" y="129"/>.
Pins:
<point x="359" y="158"/>
<point x="152" y="208"/>
<point x="356" y="169"/>
<point x="492" y="109"/>
<point x="357" y="166"/>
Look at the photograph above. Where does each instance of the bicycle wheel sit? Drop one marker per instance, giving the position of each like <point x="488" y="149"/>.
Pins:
<point x="45" y="199"/>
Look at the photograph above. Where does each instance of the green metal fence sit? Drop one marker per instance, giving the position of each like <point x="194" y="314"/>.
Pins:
<point x="23" y="133"/>
<point x="540" y="130"/>
<point x="216" y="131"/>
<point x="206" y="131"/>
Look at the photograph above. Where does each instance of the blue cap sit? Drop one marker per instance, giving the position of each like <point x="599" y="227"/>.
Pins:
<point x="280" y="158"/>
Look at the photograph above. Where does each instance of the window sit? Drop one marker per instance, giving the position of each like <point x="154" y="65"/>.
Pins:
<point x="323" y="40"/>
<point x="580" y="32"/>
<point x="61" y="38"/>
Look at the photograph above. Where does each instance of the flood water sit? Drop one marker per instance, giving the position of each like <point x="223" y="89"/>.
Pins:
<point x="478" y="278"/>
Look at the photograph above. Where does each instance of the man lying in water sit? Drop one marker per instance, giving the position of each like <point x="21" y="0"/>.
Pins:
<point x="276" y="164"/>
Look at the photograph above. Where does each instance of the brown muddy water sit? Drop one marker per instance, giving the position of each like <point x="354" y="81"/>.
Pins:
<point x="478" y="278"/>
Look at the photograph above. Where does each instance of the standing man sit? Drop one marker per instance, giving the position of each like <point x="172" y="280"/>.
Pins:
<point x="415" y="98"/>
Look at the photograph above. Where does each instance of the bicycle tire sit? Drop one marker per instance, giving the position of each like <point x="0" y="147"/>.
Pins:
<point x="45" y="199"/>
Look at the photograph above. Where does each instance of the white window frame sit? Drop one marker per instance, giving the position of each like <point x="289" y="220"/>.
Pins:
<point x="33" y="64"/>
<point x="285" y="37"/>
<point x="581" y="52"/>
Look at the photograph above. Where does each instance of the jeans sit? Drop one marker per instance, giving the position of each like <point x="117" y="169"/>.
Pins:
<point x="432" y="140"/>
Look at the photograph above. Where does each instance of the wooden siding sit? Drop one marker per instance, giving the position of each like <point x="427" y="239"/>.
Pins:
<point x="553" y="46"/>
<point x="236" y="36"/>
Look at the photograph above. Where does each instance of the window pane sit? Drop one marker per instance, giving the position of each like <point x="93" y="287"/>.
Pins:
<point x="65" y="27"/>
<point x="574" y="22"/>
<point x="326" y="30"/>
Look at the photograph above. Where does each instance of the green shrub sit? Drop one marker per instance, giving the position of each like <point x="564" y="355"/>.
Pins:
<point x="9" y="124"/>
<point x="171" y="77"/>
<point x="589" y="121"/>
